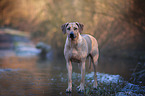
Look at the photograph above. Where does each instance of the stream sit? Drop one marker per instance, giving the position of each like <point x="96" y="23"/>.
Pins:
<point x="31" y="76"/>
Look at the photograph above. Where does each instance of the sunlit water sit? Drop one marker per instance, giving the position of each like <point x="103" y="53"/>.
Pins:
<point x="30" y="76"/>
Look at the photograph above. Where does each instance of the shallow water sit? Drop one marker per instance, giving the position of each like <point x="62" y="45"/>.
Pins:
<point x="30" y="76"/>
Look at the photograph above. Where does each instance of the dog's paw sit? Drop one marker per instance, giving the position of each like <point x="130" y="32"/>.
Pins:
<point x="68" y="90"/>
<point x="80" y="89"/>
<point x="95" y="86"/>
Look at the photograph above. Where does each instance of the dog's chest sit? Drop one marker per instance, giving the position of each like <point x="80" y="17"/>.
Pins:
<point x="76" y="55"/>
<point x="74" y="52"/>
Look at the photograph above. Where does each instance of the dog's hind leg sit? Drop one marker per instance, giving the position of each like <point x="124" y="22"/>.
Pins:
<point x="95" y="62"/>
<point x="90" y="62"/>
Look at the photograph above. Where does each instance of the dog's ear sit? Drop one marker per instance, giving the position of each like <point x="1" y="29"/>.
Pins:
<point x="81" y="26"/>
<point x="63" y="27"/>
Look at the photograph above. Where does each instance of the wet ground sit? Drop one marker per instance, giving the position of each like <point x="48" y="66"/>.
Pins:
<point x="30" y="76"/>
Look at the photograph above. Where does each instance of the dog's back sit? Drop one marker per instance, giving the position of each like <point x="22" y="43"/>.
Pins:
<point x="92" y="44"/>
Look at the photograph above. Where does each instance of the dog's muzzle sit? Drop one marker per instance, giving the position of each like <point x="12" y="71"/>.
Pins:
<point x="71" y="35"/>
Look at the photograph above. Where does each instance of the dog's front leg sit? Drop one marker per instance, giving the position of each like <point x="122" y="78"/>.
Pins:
<point x="69" y="68"/>
<point x="81" y="87"/>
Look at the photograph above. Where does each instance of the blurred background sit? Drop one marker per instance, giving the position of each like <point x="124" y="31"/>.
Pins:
<point x="119" y="26"/>
<point x="33" y="27"/>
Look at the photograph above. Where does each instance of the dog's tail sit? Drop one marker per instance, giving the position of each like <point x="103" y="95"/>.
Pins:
<point x="90" y="62"/>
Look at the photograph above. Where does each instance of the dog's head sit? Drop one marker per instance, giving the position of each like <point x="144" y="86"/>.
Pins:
<point x="72" y="29"/>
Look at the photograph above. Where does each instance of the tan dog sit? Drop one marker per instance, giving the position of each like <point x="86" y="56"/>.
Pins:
<point x="77" y="49"/>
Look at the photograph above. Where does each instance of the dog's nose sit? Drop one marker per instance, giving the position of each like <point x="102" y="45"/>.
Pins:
<point x="71" y="35"/>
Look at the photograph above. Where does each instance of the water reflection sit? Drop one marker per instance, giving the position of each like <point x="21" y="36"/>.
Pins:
<point x="32" y="76"/>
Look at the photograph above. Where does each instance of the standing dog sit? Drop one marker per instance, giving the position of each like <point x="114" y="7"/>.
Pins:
<point x="77" y="48"/>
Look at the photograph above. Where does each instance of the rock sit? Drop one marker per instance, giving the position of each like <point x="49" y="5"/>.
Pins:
<point x="45" y="50"/>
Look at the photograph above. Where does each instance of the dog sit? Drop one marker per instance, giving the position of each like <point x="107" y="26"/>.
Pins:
<point x="77" y="48"/>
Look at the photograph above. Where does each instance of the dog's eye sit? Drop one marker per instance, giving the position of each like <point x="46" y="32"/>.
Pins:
<point x="68" y="28"/>
<point x="75" y="28"/>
